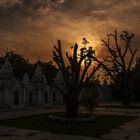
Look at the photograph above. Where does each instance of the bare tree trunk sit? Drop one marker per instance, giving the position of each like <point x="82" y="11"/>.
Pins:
<point x="126" y="100"/>
<point x="71" y="107"/>
<point x="126" y="97"/>
<point x="71" y="103"/>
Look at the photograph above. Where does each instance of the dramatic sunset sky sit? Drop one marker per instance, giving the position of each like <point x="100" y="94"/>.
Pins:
<point x="32" y="27"/>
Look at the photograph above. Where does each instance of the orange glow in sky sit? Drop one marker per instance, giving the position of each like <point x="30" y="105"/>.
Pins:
<point x="33" y="27"/>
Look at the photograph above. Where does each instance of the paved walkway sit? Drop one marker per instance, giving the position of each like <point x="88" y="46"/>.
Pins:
<point x="129" y="131"/>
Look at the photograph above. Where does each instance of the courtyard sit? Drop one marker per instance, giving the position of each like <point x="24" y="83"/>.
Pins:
<point x="110" y="123"/>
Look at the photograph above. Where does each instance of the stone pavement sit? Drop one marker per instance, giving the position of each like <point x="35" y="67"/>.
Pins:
<point x="128" y="131"/>
<point x="11" y="133"/>
<point x="117" y="111"/>
<point x="28" y="112"/>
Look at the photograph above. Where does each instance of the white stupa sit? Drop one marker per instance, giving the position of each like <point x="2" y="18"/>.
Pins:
<point x="6" y="70"/>
<point x="38" y="75"/>
<point x="6" y="75"/>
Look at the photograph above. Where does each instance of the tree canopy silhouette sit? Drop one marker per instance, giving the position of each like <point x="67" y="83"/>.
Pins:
<point x="74" y="75"/>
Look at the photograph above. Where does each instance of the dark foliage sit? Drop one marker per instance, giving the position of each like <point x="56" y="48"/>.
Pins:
<point x="21" y="65"/>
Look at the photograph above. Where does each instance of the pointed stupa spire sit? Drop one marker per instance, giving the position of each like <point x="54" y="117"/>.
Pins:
<point x="38" y="71"/>
<point x="6" y="69"/>
<point x="38" y="75"/>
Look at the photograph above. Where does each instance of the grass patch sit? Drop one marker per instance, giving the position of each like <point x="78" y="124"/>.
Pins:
<point x="103" y="124"/>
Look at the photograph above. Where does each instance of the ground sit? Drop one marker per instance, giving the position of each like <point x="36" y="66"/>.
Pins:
<point x="129" y="131"/>
<point x="101" y="125"/>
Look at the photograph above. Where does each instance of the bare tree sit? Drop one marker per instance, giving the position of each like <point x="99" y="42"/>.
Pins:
<point x="74" y="74"/>
<point x="119" y="61"/>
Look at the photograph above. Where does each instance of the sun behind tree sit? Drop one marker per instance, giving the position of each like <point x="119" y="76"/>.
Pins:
<point x="74" y="78"/>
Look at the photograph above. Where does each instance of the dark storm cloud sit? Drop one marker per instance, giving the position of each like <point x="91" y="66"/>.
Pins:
<point x="87" y="6"/>
<point x="35" y="25"/>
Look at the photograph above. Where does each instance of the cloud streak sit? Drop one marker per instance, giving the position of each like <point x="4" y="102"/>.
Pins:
<point x="33" y="27"/>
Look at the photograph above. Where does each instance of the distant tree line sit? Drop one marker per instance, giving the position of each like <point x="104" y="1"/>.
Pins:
<point x="21" y="65"/>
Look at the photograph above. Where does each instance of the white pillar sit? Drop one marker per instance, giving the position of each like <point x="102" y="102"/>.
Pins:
<point x="6" y="97"/>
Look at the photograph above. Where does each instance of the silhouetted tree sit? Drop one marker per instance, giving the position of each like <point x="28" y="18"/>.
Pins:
<point x="74" y="77"/>
<point x="119" y="61"/>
